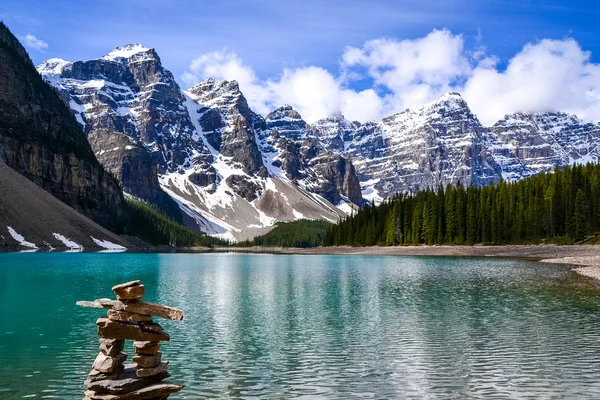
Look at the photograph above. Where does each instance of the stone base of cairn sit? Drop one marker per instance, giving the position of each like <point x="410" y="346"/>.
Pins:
<point x="129" y="318"/>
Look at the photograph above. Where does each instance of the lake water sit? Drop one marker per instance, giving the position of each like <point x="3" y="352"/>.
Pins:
<point x="332" y="327"/>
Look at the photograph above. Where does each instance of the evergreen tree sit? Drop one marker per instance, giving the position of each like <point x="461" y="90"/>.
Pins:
<point x="564" y="203"/>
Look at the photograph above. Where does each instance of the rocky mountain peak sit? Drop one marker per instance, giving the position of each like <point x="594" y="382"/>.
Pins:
<point x="286" y="122"/>
<point x="127" y="51"/>
<point x="284" y="112"/>
<point x="335" y="118"/>
<point x="218" y="93"/>
<point x="450" y="113"/>
<point x="53" y="66"/>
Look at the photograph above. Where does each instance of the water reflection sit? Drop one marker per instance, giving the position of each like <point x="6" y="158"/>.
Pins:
<point x="260" y="326"/>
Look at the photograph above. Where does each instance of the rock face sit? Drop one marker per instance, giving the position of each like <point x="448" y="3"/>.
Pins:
<point x="443" y="142"/>
<point x="436" y="144"/>
<point x="334" y="177"/>
<point x="545" y="140"/>
<point x="234" y="135"/>
<point x="128" y="161"/>
<point x="306" y="159"/>
<point x="40" y="139"/>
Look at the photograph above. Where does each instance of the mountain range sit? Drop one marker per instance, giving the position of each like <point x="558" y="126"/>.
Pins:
<point x="204" y="156"/>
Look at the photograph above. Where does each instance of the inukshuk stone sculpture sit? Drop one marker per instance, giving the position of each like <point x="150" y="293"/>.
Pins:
<point x="129" y="318"/>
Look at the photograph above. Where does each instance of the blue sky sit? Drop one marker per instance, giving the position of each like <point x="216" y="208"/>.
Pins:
<point x="270" y="36"/>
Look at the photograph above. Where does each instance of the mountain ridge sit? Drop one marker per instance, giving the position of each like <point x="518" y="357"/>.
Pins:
<point x="233" y="172"/>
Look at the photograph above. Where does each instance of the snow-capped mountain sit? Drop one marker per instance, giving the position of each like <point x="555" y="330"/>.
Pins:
<point x="234" y="173"/>
<point x="209" y="148"/>
<point x="545" y="140"/>
<point x="435" y="144"/>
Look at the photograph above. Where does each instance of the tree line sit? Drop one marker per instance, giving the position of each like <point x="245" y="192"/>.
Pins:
<point x="563" y="204"/>
<point x="301" y="233"/>
<point x="150" y="224"/>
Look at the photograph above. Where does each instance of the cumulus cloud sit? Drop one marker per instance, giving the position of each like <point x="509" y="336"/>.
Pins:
<point x="32" y="42"/>
<point x="313" y="91"/>
<point x="548" y="75"/>
<point x="435" y="60"/>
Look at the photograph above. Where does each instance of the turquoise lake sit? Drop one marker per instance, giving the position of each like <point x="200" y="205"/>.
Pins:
<point x="313" y="327"/>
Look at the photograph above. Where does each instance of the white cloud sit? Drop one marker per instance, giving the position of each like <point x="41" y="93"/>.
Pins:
<point x="434" y="60"/>
<point x="32" y="42"/>
<point x="313" y="91"/>
<point x="548" y="75"/>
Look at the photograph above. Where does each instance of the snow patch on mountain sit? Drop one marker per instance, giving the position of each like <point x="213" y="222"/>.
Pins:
<point x="20" y="238"/>
<point x="126" y="51"/>
<point x="67" y="242"/>
<point x="108" y="245"/>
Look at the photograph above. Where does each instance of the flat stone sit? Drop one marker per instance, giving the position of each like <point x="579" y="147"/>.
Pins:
<point x="152" y="327"/>
<point x="145" y="308"/>
<point x="128" y="331"/>
<point x="146" y="348"/>
<point x="126" y="285"/>
<point x="130" y="292"/>
<point x="143" y="372"/>
<point x="108" y="364"/>
<point x="111" y="347"/>
<point x="126" y="382"/>
<point x="125" y="316"/>
<point x="96" y="375"/>
<point x="99" y="303"/>
<point x="149" y="392"/>
<point x="144" y="361"/>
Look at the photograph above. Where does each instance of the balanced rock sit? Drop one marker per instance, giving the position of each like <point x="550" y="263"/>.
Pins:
<point x="96" y="375"/>
<point x="133" y="292"/>
<point x="158" y="390"/>
<point x="143" y="372"/>
<point x="152" y="327"/>
<point x="107" y="364"/>
<point x="144" y="361"/>
<point x="128" y="318"/>
<point x="128" y="331"/>
<point x="146" y="348"/>
<point x="111" y="347"/>
<point x="126" y="382"/>
<point x="145" y="308"/>
<point x="125" y="316"/>
<point x="126" y="285"/>
<point x="99" y="303"/>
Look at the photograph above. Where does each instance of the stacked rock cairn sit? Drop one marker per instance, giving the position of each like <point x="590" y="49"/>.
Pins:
<point x="129" y="318"/>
